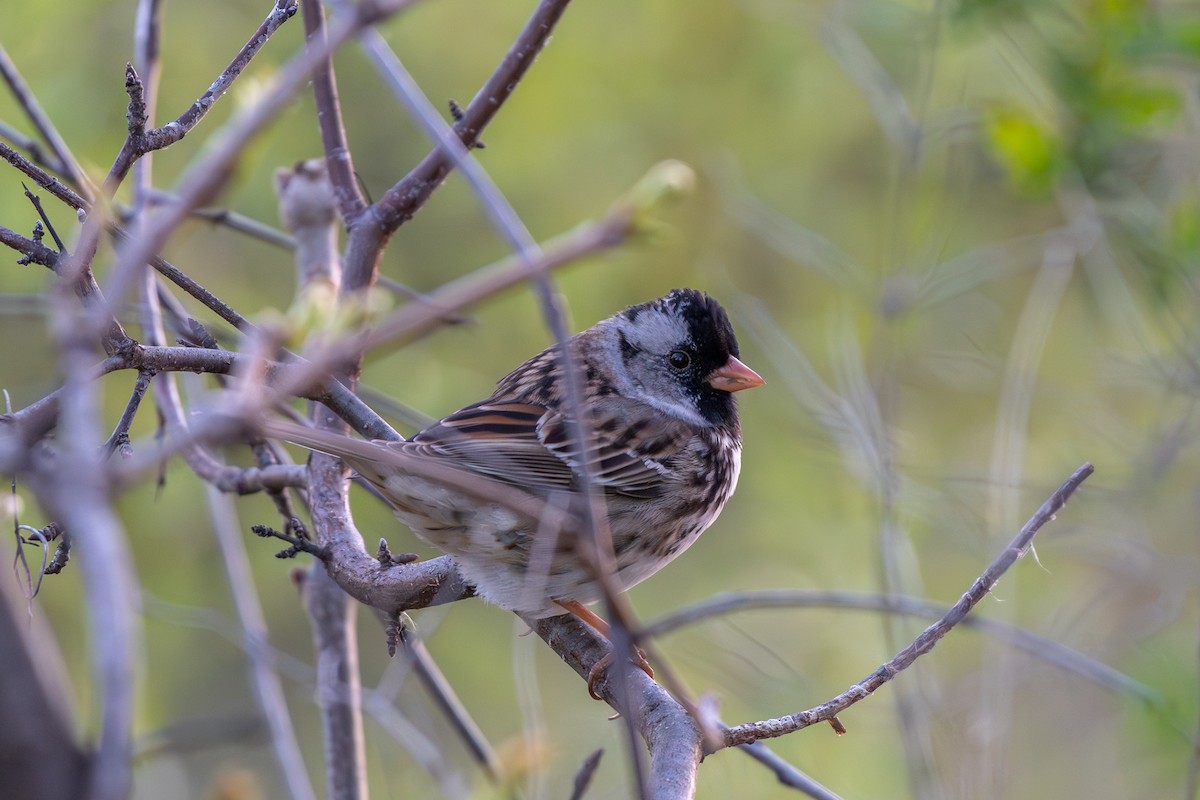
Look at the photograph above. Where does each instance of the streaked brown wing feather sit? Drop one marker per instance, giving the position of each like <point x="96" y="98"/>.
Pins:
<point x="498" y="440"/>
<point x="528" y="446"/>
<point x="633" y="443"/>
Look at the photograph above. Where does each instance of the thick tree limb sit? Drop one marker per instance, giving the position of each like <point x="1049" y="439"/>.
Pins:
<point x="306" y="206"/>
<point x="339" y="686"/>
<point x="671" y="735"/>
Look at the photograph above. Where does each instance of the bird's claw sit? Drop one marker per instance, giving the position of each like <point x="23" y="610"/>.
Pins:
<point x="601" y="667"/>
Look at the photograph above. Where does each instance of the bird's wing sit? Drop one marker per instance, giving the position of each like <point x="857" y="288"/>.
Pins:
<point x="498" y="440"/>
<point x="632" y="446"/>
<point x="531" y="447"/>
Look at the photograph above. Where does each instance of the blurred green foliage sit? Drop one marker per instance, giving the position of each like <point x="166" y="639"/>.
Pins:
<point x="959" y="241"/>
<point x="1117" y="79"/>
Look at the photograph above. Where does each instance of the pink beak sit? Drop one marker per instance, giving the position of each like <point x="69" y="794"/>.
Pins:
<point x="733" y="376"/>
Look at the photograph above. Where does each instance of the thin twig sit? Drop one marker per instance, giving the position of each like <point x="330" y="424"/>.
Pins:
<point x="31" y="250"/>
<point x="37" y="154"/>
<point x="29" y="104"/>
<point x="40" y="254"/>
<point x="584" y="775"/>
<point x="787" y="774"/>
<point x="446" y="699"/>
<point x="76" y="269"/>
<point x="43" y="179"/>
<point x="21" y="570"/>
<point x="141" y="141"/>
<point x="208" y="173"/>
<point x="338" y="159"/>
<point x="120" y="434"/>
<point x="400" y="202"/>
<point x="1038" y="646"/>
<point x="766" y="729"/>
<point x="64" y="193"/>
<point x="230" y="219"/>
<point x="268" y="690"/>
<point x="37" y="205"/>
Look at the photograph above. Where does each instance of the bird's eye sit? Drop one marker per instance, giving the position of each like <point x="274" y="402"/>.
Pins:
<point x="679" y="359"/>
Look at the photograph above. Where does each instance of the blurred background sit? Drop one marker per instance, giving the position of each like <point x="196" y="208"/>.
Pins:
<point x="958" y="239"/>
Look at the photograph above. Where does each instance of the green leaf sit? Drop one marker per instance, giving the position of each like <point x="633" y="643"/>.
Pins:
<point x="1031" y="154"/>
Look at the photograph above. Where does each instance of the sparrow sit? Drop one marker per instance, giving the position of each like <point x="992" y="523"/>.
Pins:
<point x="658" y="383"/>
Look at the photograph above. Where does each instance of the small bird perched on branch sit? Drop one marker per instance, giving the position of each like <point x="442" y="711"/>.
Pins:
<point x="664" y="451"/>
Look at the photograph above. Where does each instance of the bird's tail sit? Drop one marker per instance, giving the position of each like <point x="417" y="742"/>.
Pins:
<point x="347" y="448"/>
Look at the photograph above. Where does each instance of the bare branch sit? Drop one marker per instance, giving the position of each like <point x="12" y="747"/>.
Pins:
<point x="1038" y="646"/>
<point x="767" y="729"/>
<point x="230" y="219"/>
<point x="32" y="251"/>
<point x="339" y="686"/>
<point x="268" y="690"/>
<point x="43" y="179"/>
<point x="446" y="699"/>
<point x="583" y="778"/>
<point x="306" y="205"/>
<point x="40" y="417"/>
<point x="338" y="160"/>
<point x="45" y="128"/>
<point x="120" y="435"/>
<point x="404" y="199"/>
<point x="147" y="36"/>
<point x="37" y="205"/>
<point x="140" y="141"/>
<point x="787" y="774"/>
<point x="37" y="154"/>
<point x="210" y="300"/>
<point x="670" y="733"/>
<point x="40" y="254"/>
<point x="207" y="174"/>
<point x="76" y="267"/>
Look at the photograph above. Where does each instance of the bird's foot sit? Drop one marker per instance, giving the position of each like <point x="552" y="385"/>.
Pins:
<point x="601" y="667"/>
